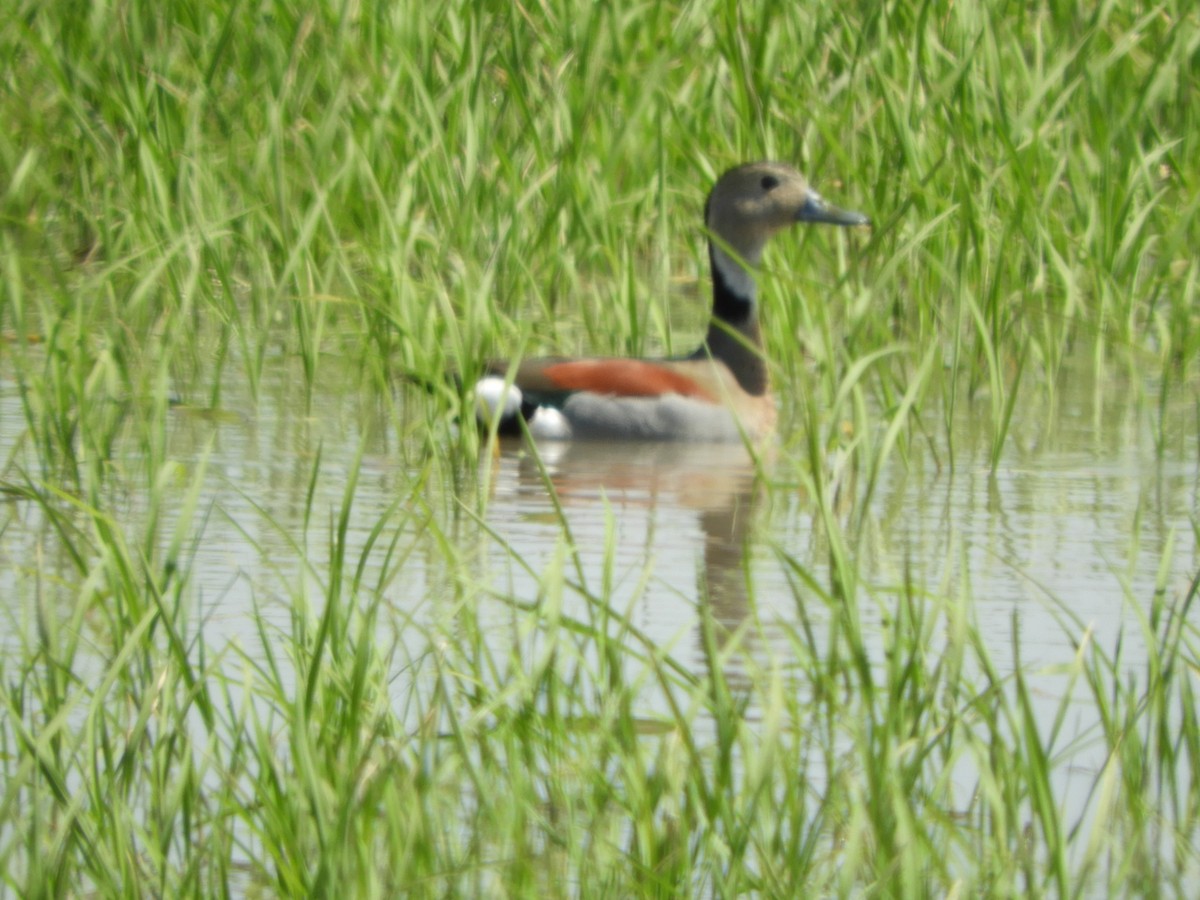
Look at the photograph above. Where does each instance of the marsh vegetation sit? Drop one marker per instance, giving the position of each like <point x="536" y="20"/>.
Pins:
<point x="275" y="624"/>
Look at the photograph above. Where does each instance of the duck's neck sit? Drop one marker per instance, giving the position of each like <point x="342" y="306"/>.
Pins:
<point x="733" y="335"/>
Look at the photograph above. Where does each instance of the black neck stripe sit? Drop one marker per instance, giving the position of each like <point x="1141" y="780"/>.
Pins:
<point x="728" y="305"/>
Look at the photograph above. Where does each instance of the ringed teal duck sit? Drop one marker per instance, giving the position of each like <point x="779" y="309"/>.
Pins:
<point x="720" y="392"/>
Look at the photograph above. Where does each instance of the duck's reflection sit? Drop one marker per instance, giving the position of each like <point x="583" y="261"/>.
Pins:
<point x="712" y="484"/>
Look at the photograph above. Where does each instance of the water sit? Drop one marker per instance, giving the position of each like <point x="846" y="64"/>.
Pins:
<point x="1089" y="514"/>
<point x="1072" y="524"/>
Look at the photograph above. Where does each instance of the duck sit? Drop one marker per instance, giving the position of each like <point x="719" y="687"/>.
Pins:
<point x="720" y="392"/>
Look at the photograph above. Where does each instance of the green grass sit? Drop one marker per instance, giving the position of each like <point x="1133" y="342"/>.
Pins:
<point x="200" y="197"/>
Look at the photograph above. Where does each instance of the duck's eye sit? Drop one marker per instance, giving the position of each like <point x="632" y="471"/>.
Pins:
<point x="769" y="182"/>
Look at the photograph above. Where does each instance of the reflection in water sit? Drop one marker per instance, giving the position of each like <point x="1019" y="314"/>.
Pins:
<point x="726" y="531"/>
<point x="661" y="493"/>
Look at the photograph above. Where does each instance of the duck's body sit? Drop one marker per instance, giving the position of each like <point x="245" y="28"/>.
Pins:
<point x="688" y="399"/>
<point x="721" y="392"/>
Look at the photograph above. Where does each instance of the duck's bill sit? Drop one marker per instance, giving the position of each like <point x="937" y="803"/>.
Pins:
<point x="816" y="209"/>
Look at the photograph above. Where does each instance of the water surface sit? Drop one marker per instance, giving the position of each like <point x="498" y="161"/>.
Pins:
<point x="1089" y="512"/>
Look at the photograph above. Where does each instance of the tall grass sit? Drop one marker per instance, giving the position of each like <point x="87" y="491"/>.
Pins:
<point x="365" y="751"/>
<point x="197" y="197"/>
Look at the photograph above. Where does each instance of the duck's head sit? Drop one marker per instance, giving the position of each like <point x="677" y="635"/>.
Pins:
<point x="752" y="202"/>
